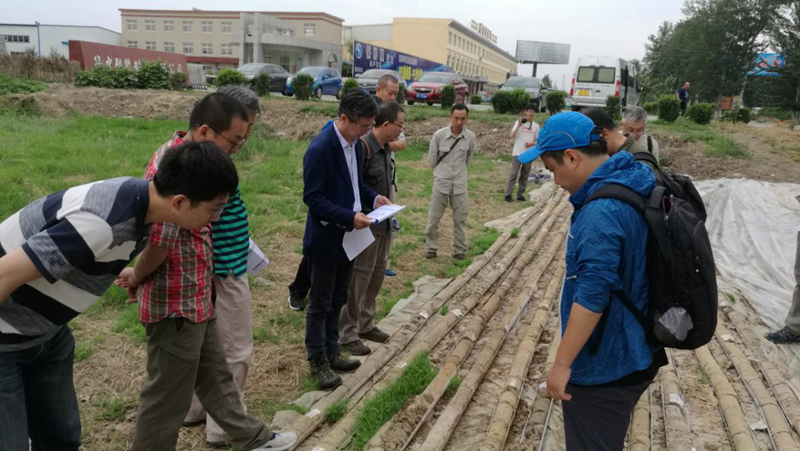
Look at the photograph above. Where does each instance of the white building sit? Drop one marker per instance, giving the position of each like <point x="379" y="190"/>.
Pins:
<point x="48" y="39"/>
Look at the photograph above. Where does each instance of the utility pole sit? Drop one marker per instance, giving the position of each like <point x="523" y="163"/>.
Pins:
<point x="38" y="38"/>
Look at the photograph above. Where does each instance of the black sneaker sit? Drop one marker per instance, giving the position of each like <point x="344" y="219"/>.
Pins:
<point x="783" y="337"/>
<point x="296" y="302"/>
<point x="341" y="364"/>
<point x="322" y="373"/>
<point x="376" y="335"/>
<point x="507" y="198"/>
<point x="521" y="198"/>
<point x="356" y="348"/>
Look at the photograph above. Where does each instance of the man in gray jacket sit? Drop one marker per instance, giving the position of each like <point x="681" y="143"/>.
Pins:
<point x="369" y="267"/>
<point x="450" y="153"/>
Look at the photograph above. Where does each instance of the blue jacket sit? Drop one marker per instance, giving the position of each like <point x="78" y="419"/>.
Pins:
<point x="606" y="250"/>
<point x="328" y="192"/>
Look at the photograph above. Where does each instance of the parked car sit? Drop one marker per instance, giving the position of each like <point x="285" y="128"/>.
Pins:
<point x="277" y="75"/>
<point x="429" y="87"/>
<point x="368" y="81"/>
<point x="597" y="77"/>
<point x="532" y="85"/>
<point x="327" y="81"/>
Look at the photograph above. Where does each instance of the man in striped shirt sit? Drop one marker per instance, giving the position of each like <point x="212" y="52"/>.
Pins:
<point x="231" y="238"/>
<point x="58" y="255"/>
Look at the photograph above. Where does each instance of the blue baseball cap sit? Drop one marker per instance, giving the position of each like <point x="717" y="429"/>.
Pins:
<point x="563" y="131"/>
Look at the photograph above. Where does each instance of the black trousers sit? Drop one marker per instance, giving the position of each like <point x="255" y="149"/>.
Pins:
<point x="302" y="280"/>
<point x="597" y="418"/>
<point x="329" y="284"/>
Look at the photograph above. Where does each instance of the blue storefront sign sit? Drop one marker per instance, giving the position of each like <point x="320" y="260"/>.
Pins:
<point x="411" y="68"/>
<point x="767" y="64"/>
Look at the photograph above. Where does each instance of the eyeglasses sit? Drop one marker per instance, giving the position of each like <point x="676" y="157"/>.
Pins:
<point x="362" y="127"/>
<point x="234" y="144"/>
<point x="397" y="125"/>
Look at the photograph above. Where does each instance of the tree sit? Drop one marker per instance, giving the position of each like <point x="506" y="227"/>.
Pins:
<point x="785" y="38"/>
<point x="546" y="82"/>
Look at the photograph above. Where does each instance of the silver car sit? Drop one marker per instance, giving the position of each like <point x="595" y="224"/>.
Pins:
<point x="368" y="81"/>
<point x="531" y="85"/>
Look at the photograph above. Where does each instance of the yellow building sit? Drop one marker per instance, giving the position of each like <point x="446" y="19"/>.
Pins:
<point x="481" y="62"/>
<point x="228" y="39"/>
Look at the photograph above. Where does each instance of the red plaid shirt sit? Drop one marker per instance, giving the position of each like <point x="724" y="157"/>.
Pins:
<point x="181" y="286"/>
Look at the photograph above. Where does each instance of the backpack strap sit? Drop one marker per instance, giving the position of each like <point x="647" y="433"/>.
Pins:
<point x="649" y="145"/>
<point x="367" y="152"/>
<point x="624" y="194"/>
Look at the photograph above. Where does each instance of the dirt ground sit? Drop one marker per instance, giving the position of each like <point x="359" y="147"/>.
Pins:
<point x="117" y="366"/>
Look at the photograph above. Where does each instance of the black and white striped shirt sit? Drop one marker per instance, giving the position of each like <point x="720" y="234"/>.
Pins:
<point x="79" y="239"/>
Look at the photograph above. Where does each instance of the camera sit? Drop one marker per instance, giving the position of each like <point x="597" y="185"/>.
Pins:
<point x="523" y="120"/>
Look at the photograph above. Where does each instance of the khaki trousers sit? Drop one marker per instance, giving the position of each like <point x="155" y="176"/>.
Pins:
<point x="793" y="318"/>
<point x="460" y="205"/>
<point x="369" y="270"/>
<point x="523" y="170"/>
<point x="233" y="310"/>
<point x="184" y="358"/>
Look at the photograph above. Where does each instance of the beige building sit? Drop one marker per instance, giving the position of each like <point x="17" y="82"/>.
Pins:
<point x="228" y="39"/>
<point x="481" y="62"/>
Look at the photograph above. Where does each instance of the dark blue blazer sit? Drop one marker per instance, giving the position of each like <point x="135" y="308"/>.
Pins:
<point x="328" y="192"/>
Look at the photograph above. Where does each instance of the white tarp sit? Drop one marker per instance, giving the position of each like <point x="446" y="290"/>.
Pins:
<point x="753" y="228"/>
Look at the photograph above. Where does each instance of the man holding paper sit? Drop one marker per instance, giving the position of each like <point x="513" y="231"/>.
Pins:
<point x="335" y="193"/>
<point x="369" y="267"/>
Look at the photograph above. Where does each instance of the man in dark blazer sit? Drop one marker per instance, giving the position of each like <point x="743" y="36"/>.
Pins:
<point x="335" y="193"/>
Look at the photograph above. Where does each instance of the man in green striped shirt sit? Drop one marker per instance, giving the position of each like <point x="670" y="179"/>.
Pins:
<point x="231" y="237"/>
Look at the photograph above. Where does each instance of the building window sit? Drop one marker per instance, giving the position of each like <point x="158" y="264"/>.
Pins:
<point x="188" y="26"/>
<point x="286" y="32"/>
<point x="149" y="25"/>
<point x="169" y="47"/>
<point x="207" y="49"/>
<point x="17" y="38"/>
<point x="133" y="24"/>
<point x="188" y="48"/>
<point x="169" y="26"/>
<point x="310" y="29"/>
<point x="227" y="27"/>
<point x="449" y="37"/>
<point x="208" y="27"/>
<point x="133" y="44"/>
<point x="226" y="49"/>
<point x="150" y="45"/>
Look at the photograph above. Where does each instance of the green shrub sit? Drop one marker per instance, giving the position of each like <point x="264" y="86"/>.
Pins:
<point x="448" y="96"/>
<point x="401" y="95"/>
<point x="99" y="76"/>
<point x="669" y="108"/>
<point x="783" y="114"/>
<point x="510" y="101"/>
<point x="737" y="115"/>
<point x="230" y="77"/>
<point x="651" y="107"/>
<point x="262" y="84"/>
<point x="124" y="78"/>
<point x="152" y="75"/>
<point x="612" y="106"/>
<point x="475" y="99"/>
<point x="10" y="85"/>
<point x="349" y="84"/>
<point x="302" y="86"/>
<point x="701" y="113"/>
<point x="556" y="101"/>
<point x="177" y="81"/>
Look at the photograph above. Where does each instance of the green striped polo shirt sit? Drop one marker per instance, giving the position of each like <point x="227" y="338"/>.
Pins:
<point x="231" y="237"/>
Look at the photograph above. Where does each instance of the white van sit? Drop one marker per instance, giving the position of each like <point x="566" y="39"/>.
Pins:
<point x="597" y="77"/>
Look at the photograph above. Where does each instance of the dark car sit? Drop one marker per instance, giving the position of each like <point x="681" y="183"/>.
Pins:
<point x="428" y="89"/>
<point x="277" y="75"/>
<point x="368" y="81"/>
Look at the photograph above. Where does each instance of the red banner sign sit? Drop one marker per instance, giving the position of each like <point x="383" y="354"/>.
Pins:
<point x="89" y="54"/>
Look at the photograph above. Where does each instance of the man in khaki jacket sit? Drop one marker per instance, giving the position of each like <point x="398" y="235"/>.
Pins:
<point x="450" y="153"/>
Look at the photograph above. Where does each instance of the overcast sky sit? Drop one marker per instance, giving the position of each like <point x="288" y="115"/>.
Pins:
<point x="610" y="27"/>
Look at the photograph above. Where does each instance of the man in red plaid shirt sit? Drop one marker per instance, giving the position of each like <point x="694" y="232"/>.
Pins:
<point x="184" y="350"/>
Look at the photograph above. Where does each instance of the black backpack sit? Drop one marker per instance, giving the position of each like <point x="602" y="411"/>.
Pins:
<point x="682" y="307"/>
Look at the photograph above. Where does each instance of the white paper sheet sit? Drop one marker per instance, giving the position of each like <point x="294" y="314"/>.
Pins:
<point x="385" y="212"/>
<point x="356" y="241"/>
<point x="256" y="261"/>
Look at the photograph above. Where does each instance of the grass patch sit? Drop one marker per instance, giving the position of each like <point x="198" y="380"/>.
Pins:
<point x="381" y="407"/>
<point x="336" y="411"/>
<point x="445" y="309"/>
<point x="267" y="409"/>
<point x="701" y="374"/>
<point x="113" y="410"/>
<point x="386" y="302"/>
<point x="731" y="298"/>
<point x="329" y="109"/>
<point x="85" y="350"/>
<point x="281" y="327"/>
<point x="418" y="113"/>
<point x="715" y="144"/>
<point x="482" y="242"/>
<point x="452" y="387"/>
<point x="515" y="232"/>
<point x="128" y="324"/>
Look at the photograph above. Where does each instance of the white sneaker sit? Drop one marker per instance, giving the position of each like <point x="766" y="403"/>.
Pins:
<point x="280" y="441"/>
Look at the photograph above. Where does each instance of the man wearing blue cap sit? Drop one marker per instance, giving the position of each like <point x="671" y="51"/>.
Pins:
<point x="599" y="375"/>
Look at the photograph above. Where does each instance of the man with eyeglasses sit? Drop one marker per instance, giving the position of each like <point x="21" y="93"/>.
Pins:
<point x="369" y="267"/>
<point x="336" y="196"/>
<point x="173" y="285"/>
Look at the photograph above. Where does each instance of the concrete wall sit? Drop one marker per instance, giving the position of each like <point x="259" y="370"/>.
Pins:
<point x="426" y="38"/>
